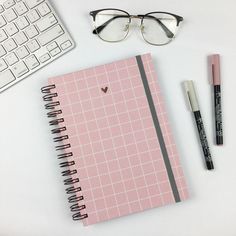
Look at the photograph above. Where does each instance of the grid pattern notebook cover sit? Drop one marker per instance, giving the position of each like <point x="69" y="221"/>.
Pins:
<point x="114" y="140"/>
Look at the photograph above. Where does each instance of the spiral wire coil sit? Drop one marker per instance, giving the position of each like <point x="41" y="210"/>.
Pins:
<point x="54" y="114"/>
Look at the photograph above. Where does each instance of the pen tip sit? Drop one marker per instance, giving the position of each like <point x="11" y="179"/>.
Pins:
<point x="219" y="140"/>
<point x="210" y="165"/>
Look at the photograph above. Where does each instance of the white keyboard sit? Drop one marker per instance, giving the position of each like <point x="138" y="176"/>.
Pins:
<point x="31" y="36"/>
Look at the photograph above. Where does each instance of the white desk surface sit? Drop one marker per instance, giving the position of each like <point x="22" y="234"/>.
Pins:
<point x="32" y="197"/>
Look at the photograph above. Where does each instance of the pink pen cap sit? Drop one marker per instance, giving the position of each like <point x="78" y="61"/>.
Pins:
<point x="215" y="65"/>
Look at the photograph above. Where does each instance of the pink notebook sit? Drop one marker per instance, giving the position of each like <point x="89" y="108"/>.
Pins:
<point x="114" y="141"/>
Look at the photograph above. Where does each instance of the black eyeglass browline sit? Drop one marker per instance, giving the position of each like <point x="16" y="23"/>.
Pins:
<point x="169" y="34"/>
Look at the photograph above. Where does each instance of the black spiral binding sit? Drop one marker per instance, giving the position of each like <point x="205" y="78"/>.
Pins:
<point x="63" y="154"/>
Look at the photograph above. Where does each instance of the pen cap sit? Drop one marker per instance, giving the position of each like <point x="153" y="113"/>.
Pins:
<point x="191" y="94"/>
<point x="215" y="66"/>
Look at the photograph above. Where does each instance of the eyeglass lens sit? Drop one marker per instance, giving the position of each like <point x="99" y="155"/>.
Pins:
<point x="112" y="25"/>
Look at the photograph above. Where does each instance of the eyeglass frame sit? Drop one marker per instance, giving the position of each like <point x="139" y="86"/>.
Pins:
<point x="169" y="34"/>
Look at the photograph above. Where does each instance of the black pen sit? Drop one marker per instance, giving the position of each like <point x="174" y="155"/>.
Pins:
<point x="191" y="94"/>
<point x="216" y="81"/>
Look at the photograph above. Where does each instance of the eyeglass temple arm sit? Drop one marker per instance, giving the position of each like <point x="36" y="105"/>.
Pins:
<point x="101" y="27"/>
<point x="169" y="34"/>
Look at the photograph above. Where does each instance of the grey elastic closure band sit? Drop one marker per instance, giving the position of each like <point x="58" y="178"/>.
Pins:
<point x="158" y="130"/>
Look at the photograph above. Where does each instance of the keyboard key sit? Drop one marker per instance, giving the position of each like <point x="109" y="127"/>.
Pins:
<point x="3" y="66"/>
<point x="33" y="45"/>
<point x="32" y="31"/>
<point x="55" y="51"/>
<point x="33" y="3"/>
<point x="8" y="3"/>
<point x="22" y="23"/>
<point x="22" y="52"/>
<point x="52" y="46"/>
<point x="32" y="62"/>
<point x="10" y="45"/>
<point x="11" y="29"/>
<point x="10" y="15"/>
<point x="33" y="16"/>
<point x="6" y="78"/>
<point x="50" y="35"/>
<point x="2" y="22"/>
<point x="1" y="9"/>
<point x="20" y="38"/>
<point x="44" y="58"/>
<point x="46" y="22"/>
<point x="2" y="51"/>
<point x="66" y="45"/>
<point x="44" y="9"/>
<point x="19" y="69"/>
<point x="3" y="35"/>
<point x="21" y="8"/>
<point x="11" y="59"/>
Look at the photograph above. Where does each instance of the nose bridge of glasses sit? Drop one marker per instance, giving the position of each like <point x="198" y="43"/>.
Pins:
<point x="136" y="16"/>
<point x="134" y="24"/>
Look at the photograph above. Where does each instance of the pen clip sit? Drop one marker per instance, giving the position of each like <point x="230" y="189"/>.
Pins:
<point x="191" y="95"/>
<point x="210" y="69"/>
<point x="187" y="97"/>
<point x="214" y="68"/>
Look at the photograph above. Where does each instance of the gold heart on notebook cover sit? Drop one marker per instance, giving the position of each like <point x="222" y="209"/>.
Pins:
<point x="104" y="89"/>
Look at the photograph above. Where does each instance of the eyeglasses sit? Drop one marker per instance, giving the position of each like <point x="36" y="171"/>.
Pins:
<point x="157" y="28"/>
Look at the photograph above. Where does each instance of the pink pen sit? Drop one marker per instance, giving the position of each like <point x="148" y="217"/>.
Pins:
<point x="216" y="80"/>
